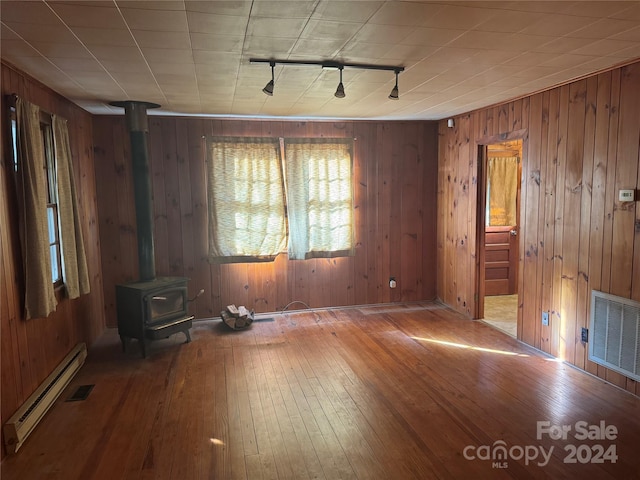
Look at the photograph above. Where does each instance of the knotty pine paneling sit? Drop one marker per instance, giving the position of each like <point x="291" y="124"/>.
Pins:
<point x="31" y="349"/>
<point x="580" y="146"/>
<point x="395" y="192"/>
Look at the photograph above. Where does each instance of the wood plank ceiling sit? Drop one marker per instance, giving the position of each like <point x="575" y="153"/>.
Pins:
<point x="192" y="57"/>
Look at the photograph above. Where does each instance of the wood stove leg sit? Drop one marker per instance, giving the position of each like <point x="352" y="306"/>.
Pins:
<point x="143" y="349"/>
<point x="124" y="343"/>
<point x="186" y="334"/>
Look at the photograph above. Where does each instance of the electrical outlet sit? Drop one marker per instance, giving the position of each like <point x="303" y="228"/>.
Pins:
<point x="584" y="335"/>
<point x="392" y="282"/>
<point x="545" y="319"/>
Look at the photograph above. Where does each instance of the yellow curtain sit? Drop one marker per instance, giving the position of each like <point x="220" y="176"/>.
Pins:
<point x="246" y="199"/>
<point x="40" y="299"/>
<point x="502" y="190"/>
<point x="319" y="197"/>
<point x="74" y="260"/>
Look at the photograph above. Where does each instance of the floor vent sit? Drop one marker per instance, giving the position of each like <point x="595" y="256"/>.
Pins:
<point x="615" y="333"/>
<point x="81" y="393"/>
<point x="22" y="423"/>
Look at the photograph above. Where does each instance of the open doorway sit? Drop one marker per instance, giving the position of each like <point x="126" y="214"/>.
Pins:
<point x="499" y="243"/>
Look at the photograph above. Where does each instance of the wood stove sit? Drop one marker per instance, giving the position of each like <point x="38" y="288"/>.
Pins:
<point x="151" y="308"/>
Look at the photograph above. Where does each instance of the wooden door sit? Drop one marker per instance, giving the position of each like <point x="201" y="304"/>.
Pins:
<point x="501" y="260"/>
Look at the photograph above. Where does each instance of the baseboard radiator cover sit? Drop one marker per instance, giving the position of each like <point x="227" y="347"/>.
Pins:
<point x="614" y="332"/>
<point x="27" y="417"/>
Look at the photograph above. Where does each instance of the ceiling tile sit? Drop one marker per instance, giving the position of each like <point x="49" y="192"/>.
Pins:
<point x="284" y="9"/>
<point x="407" y="13"/>
<point x="28" y="12"/>
<point x="509" y="21"/>
<point x="105" y="37"/>
<point x="435" y="37"/>
<point x="382" y="33"/>
<point x="217" y="43"/>
<point x="632" y="34"/>
<point x="216" y="24"/>
<point x="17" y="47"/>
<point x="557" y="25"/>
<point x="318" y="48"/>
<point x="269" y="47"/>
<point x="78" y="64"/>
<point x="480" y="40"/>
<point x="603" y="28"/>
<point x="357" y="12"/>
<point x="606" y="47"/>
<point x="160" y="67"/>
<point x="34" y="32"/>
<point x="93" y="16"/>
<point x="330" y="30"/>
<point x="458" y="17"/>
<point x="597" y="9"/>
<point x="61" y="50"/>
<point x="120" y="54"/>
<point x="156" y="20"/>
<point x="168" y="55"/>
<point x="276" y="27"/>
<point x="172" y="40"/>
<point x="229" y="8"/>
<point x="152" y="4"/>
<point x="562" y="45"/>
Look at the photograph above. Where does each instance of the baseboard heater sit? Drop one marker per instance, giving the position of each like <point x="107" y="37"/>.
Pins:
<point x="22" y="423"/>
<point x="614" y="333"/>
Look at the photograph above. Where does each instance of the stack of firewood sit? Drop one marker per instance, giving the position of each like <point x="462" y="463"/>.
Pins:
<point x="237" y="318"/>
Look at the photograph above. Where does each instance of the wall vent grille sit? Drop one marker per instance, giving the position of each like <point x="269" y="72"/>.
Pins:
<point x="615" y="333"/>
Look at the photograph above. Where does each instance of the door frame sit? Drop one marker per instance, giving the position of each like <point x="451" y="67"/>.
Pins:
<point x="481" y="202"/>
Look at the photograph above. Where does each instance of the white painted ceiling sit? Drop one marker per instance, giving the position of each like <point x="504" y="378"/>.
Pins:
<point x="192" y="57"/>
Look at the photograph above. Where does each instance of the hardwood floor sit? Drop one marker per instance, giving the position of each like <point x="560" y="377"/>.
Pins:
<point x="384" y="392"/>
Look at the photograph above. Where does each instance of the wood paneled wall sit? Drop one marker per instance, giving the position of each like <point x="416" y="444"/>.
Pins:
<point x="395" y="169"/>
<point x="580" y="147"/>
<point x="32" y="349"/>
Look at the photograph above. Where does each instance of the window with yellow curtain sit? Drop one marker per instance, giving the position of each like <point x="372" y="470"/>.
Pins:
<point x="246" y="199"/>
<point x="319" y="197"/>
<point x="502" y="188"/>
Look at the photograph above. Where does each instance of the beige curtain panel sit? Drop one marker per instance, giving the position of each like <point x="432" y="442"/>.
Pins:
<point x="40" y="299"/>
<point x="76" y="274"/>
<point x="319" y="197"/>
<point x="502" y="191"/>
<point x="246" y="199"/>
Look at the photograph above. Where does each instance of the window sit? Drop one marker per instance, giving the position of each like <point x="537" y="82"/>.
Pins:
<point x="319" y="194"/>
<point x="49" y="214"/>
<point x="246" y="199"/>
<point x="257" y="196"/>
<point x="53" y="220"/>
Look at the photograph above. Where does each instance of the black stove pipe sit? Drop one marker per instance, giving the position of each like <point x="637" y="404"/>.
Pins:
<point x="138" y="125"/>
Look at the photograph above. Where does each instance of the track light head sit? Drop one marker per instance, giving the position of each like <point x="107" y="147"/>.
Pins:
<point x="340" y="90"/>
<point x="268" y="88"/>
<point x="394" y="92"/>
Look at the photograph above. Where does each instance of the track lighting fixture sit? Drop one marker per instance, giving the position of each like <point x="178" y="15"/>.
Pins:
<point x="268" y="88"/>
<point x="331" y="65"/>
<point x="340" y="91"/>
<point x="394" y="92"/>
